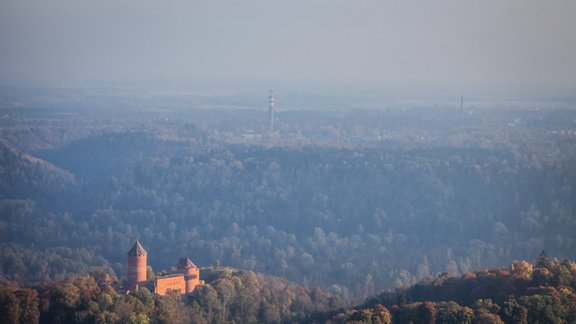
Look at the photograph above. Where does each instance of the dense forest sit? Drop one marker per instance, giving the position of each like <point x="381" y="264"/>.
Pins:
<point x="543" y="292"/>
<point x="353" y="201"/>
<point x="229" y="296"/>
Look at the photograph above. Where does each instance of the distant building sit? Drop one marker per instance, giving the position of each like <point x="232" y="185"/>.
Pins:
<point x="185" y="280"/>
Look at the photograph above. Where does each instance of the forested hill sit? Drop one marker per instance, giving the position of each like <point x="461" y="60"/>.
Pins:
<point x="543" y="292"/>
<point x="23" y="176"/>
<point x="369" y="202"/>
<point x="229" y="296"/>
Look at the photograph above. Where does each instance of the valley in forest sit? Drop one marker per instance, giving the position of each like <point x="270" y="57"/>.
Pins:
<point x="337" y="204"/>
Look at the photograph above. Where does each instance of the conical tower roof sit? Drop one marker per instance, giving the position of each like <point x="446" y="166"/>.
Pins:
<point x="185" y="263"/>
<point x="137" y="250"/>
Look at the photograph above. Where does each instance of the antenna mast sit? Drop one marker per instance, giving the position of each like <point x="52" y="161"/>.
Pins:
<point x="271" y="109"/>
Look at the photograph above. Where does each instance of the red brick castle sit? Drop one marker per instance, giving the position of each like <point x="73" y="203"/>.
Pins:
<point x="184" y="280"/>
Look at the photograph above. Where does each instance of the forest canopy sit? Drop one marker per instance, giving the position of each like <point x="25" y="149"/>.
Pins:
<point x="520" y="293"/>
<point x="354" y="201"/>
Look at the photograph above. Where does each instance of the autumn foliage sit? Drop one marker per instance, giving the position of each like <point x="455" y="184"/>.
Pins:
<point x="521" y="293"/>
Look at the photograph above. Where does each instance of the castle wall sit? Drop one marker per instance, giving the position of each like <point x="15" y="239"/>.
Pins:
<point x="173" y="282"/>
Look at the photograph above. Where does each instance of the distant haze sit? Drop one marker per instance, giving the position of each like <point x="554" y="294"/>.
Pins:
<point x="441" y="43"/>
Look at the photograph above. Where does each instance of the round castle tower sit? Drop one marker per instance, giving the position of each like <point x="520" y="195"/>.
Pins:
<point x="136" y="266"/>
<point x="191" y="273"/>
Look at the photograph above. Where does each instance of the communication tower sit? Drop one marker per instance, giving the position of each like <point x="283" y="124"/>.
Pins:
<point x="271" y="109"/>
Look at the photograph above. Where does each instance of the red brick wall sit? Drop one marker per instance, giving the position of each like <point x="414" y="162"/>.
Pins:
<point x="136" y="270"/>
<point x="192" y="279"/>
<point x="163" y="284"/>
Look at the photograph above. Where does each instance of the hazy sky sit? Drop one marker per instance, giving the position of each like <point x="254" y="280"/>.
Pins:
<point x="502" y="43"/>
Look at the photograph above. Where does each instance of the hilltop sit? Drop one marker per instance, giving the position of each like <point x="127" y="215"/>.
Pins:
<point x="520" y="293"/>
<point x="230" y="295"/>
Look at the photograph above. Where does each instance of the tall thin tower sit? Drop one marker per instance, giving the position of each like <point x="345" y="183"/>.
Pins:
<point x="462" y="104"/>
<point x="271" y="109"/>
<point x="136" y="266"/>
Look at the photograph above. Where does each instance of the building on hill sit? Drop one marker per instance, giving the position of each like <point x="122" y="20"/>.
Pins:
<point x="191" y="273"/>
<point x="137" y="263"/>
<point x="184" y="280"/>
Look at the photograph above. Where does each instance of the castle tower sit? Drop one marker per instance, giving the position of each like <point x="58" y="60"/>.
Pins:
<point x="191" y="273"/>
<point x="136" y="266"/>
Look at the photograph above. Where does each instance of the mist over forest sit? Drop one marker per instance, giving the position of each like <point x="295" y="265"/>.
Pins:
<point x="354" y="200"/>
<point x="326" y="161"/>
